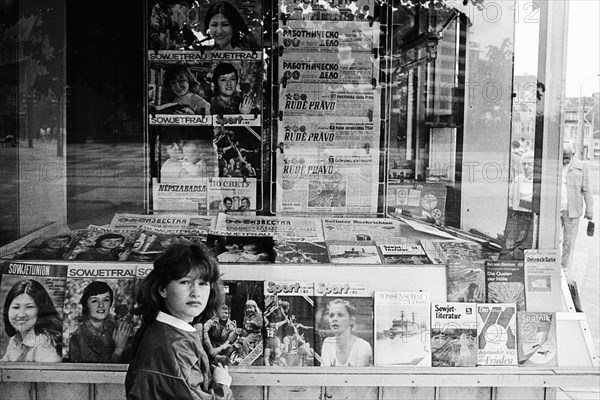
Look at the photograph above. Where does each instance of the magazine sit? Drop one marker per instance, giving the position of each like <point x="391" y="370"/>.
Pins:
<point x="518" y="235"/>
<point x="236" y="332"/>
<point x="98" y="312"/>
<point x="542" y="280"/>
<point x="99" y="243"/>
<point x="453" y="335"/>
<point x="537" y="345"/>
<point x="343" y="325"/>
<point x="505" y="282"/>
<point x="410" y="253"/>
<point x="32" y="296"/>
<point x="242" y="249"/>
<point x="353" y="252"/>
<point x="443" y="251"/>
<point x="465" y="281"/>
<point x="54" y="247"/>
<point x="496" y="334"/>
<point x="294" y="252"/>
<point x="402" y="329"/>
<point x="289" y="324"/>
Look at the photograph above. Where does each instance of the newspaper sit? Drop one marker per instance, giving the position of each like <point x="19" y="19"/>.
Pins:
<point x="343" y="181"/>
<point x="359" y="10"/>
<point x="136" y="221"/>
<point x="356" y="68"/>
<point x="289" y="228"/>
<point x="319" y="134"/>
<point x="331" y="36"/>
<point x="330" y="100"/>
<point x="381" y="230"/>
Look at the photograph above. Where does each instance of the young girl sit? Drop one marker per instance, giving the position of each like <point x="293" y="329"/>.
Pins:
<point x="180" y="86"/>
<point x="170" y="361"/>
<point x="227" y="99"/>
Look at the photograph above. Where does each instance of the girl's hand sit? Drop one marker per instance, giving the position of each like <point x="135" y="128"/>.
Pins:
<point x="120" y="336"/>
<point x="124" y="255"/>
<point x="246" y="105"/>
<point x="221" y="375"/>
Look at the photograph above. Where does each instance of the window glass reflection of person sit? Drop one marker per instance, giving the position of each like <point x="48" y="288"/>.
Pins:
<point x="106" y="248"/>
<point x="344" y="348"/>
<point x="224" y="24"/>
<point x="522" y="186"/>
<point x="99" y="338"/>
<point x="53" y="248"/>
<point x="32" y="323"/>
<point x="227" y="99"/>
<point x="180" y="86"/>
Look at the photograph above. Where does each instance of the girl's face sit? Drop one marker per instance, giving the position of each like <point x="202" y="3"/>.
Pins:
<point x="221" y="30"/>
<point x="22" y="313"/>
<point x="175" y="151"/>
<point x="186" y="298"/>
<point x="57" y="243"/>
<point x="180" y="85"/>
<point x="99" y="306"/>
<point x="111" y="243"/>
<point x="339" y="318"/>
<point x="227" y="84"/>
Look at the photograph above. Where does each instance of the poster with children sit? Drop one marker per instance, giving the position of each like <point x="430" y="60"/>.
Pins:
<point x="289" y="324"/>
<point x="31" y="295"/>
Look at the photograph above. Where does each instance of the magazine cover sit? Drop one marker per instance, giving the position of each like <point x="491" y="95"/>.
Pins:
<point x="536" y="339"/>
<point x="353" y="252"/>
<point x="98" y="243"/>
<point x="505" y="282"/>
<point x="153" y="241"/>
<point x="453" y="335"/>
<point x="422" y="201"/>
<point x="410" y="253"/>
<point x="293" y="252"/>
<point x="343" y="325"/>
<point x="518" y="235"/>
<point x="542" y="280"/>
<point x="465" y="281"/>
<point x="242" y="249"/>
<point x="54" y="247"/>
<point x="443" y="251"/>
<point x="98" y="312"/>
<point x="32" y="297"/>
<point x="496" y="334"/>
<point x="289" y="324"/>
<point x="402" y="329"/>
<point x="236" y="332"/>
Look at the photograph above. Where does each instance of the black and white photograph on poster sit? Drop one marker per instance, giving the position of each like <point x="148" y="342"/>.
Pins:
<point x="353" y="252"/>
<point x="98" y="312"/>
<point x="343" y="324"/>
<point x="319" y="134"/>
<point x="184" y="152"/>
<point x="339" y="67"/>
<point x="236" y="88"/>
<point x="31" y="297"/>
<point x="236" y="332"/>
<point x="331" y="101"/>
<point x="179" y="93"/>
<point x="226" y="194"/>
<point x="195" y="25"/>
<point x="242" y="249"/>
<point x="354" y="10"/>
<point x="239" y="151"/>
<point x="289" y="324"/>
<point x="328" y="36"/>
<point x="300" y="252"/>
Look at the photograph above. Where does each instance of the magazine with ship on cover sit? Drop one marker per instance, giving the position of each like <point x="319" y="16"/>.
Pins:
<point x="289" y="323"/>
<point x="496" y="334"/>
<point x="402" y="329"/>
<point x="32" y="296"/>
<point x="344" y="324"/>
<point x="537" y="345"/>
<point x="453" y="335"/>
<point x="465" y="281"/>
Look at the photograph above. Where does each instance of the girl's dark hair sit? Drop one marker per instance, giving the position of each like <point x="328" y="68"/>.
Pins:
<point x="100" y="238"/>
<point x="94" y="288"/>
<point x="220" y="70"/>
<point x="171" y="74"/>
<point x="48" y="321"/>
<point x="173" y="264"/>
<point x="64" y="236"/>
<point x="241" y="34"/>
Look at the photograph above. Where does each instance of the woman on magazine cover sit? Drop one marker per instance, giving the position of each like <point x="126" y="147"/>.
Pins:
<point x="227" y="99"/>
<point x="32" y="323"/>
<point x="224" y="24"/>
<point x="344" y="349"/>
<point x="106" y="248"/>
<point x="172" y="363"/>
<point x="172" y="167"/>
<point x="53" y="248"/>
<point x="181" y="87"/>
<point x="99" y="338"/>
